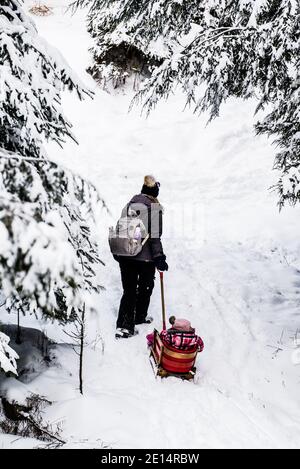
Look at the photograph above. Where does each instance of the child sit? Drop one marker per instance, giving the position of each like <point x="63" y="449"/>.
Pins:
<point x="180" y="336"/>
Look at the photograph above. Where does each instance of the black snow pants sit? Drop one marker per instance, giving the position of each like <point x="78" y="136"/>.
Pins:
<point x="138" y="283"/>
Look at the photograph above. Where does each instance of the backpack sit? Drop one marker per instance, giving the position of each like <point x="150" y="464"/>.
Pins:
<point x="129" y="236"/>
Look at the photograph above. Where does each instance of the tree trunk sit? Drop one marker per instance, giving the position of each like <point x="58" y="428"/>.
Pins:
<point x="82" y="335"/>
<point x="18" y="337"/>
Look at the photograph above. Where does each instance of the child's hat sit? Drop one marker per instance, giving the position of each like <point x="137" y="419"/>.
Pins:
<point x="182" y="325"/>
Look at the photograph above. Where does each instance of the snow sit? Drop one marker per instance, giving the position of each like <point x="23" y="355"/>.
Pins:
<point x="14" y="442"/>
<point x="15" y="391"/>
<point x="8" y="357"/>
<point x="234" y="272"/>
<point x="257" y="7"/>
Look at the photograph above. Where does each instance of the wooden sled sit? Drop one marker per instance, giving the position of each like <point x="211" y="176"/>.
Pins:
<point x="168" y="361"/>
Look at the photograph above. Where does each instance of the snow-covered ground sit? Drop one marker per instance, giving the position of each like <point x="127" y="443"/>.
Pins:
<point x="234" y="271"/>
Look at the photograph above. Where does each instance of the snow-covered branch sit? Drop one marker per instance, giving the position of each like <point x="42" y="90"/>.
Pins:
<point x="8" y="357"/>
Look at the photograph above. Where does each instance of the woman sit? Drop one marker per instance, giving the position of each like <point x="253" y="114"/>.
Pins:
<point x="138" y="273"/>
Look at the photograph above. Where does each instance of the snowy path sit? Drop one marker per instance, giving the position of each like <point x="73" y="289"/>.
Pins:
<point x="237" y="279"/>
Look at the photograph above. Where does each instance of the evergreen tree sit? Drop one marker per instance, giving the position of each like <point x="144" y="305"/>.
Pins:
<point x="228" y="48"/>
<point x="131" y="37"/>
<point x="32" y="78"/>
<point x="48" y="255"/>
<point x="243" y="49"/>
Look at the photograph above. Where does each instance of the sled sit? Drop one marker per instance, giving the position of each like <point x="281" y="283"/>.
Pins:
<point x="168" y="361"/>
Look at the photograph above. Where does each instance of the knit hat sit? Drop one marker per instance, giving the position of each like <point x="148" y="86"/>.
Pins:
<point x="183" y="325"/>
<point x="150" y="186"/>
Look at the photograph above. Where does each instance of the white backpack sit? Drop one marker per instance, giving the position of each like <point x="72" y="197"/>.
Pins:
<point x="129" y="236"/>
